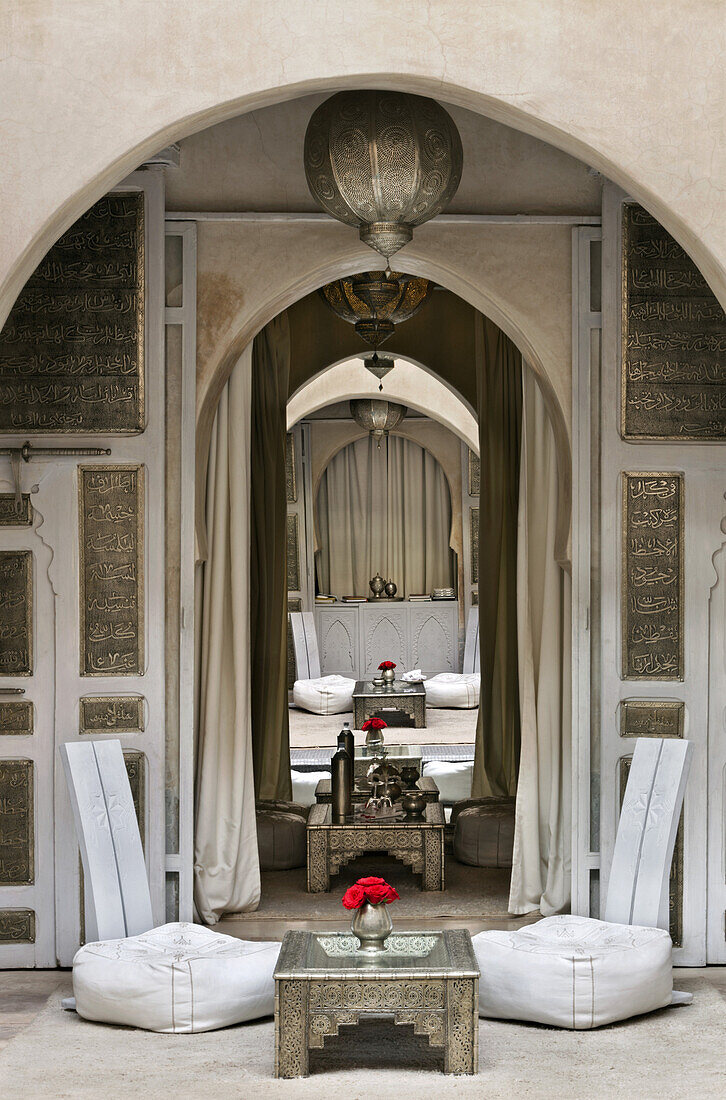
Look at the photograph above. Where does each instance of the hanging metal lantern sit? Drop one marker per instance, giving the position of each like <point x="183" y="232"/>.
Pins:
<point x="379" y="366"/>
<point x="378" y="418"/>
<point x="375" y="303"/>
<point x="383" y="162"/>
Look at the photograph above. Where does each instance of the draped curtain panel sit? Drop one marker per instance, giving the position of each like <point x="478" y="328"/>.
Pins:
<point x="384" y="510"/>
<point x="541" y="863"/>
<point x="499" y="399"/>
<point x="268" y="548"/>
<point x="226" y="867"/>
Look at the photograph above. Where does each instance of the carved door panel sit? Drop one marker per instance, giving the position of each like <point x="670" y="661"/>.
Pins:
<point x="338" y="641"/>
<point x="86" y="580"/>
<point x="384" y="637"/>
<point x="434" y="637"/>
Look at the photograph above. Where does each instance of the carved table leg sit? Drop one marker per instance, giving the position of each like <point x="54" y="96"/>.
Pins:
<point x="433" y="869"/>
<point x="291" y="1018"/>
<point x="318" y="865"/>
<point x="461" y="1054"/>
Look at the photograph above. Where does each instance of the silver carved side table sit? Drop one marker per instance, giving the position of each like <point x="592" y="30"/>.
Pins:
<point x="418" y="842"/>
<point x="399" y="703"/>
<point x="427" y="979"/>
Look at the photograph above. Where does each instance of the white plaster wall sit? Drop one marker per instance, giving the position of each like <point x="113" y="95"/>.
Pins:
<point x="255" y="162"/>
<point x="89" y="89"/>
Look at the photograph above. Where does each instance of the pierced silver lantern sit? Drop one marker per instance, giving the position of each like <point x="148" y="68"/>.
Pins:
<point x="378" y="418"/>
<point x="383" y="162"/>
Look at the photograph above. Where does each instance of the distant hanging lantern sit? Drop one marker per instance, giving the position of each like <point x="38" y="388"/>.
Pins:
<point x="378" y="418"/>
<point x="379" y="366"/>
<point x="383" y="162"/>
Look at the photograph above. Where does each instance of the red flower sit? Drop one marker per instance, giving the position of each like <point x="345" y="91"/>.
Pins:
<point x="373" y="890"/>
<point x="374" y="724"/>
<point x="387" y="664"/>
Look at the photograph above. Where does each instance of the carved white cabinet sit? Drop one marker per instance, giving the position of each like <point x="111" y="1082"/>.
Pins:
<point x="354" y="638"/>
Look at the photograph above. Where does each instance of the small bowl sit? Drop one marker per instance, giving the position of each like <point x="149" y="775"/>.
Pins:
<point x="413" y="803"/>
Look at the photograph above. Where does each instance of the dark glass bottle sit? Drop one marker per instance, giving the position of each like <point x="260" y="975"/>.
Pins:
<point x="341" y="771"/>
<point x="346" y="741"/>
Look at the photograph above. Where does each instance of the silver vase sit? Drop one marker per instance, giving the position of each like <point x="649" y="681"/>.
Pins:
<point x="389" y="675"/>
<point x="372" y="925"/>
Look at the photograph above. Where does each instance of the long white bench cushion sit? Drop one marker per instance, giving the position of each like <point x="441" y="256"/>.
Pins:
<point x="452" y="779"/>
<point x="573" y="972"/>
<point x="304" y="784"/>
<point x="176" y="978"/>
<point x="454" y="689"/>
<point x="326" y="695"/>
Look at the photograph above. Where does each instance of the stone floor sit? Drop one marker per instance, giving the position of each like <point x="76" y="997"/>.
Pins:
<point x="443" y="727"/>
<point x="45" y="1052"/>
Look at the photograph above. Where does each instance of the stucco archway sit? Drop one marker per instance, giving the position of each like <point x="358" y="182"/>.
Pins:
<point x="153" y="74"/>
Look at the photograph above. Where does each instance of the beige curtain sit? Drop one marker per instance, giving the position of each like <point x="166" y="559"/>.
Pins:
<point x="386" y="510"/>
<point x="541" y="865"/>
<point x="268" y="573"/>
<point x="226" y="867"/>
<point x="499" y="394"/>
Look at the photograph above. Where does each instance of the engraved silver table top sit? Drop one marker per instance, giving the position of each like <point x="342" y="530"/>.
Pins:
<point x="393" y="753"/>
<point x="320" y="816"/>
<point x="333" y="955"/>
<point x="366" y="688"/>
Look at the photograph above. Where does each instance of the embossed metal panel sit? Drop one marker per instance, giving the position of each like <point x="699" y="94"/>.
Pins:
<point x="16" y="613"/>
<point x="17" y="926"/>
<point x="16" y="718"/>
<point x="474" y="474"/>
<point x="11" y="515"/>
<point x="111" y="714"/>
<point x="111" y="524"/>
<point x="652" y="576"/>
<point x="651" y="718"/>
<point x="293" y="553"/>
<point x="673" y="337"/>
<point x="675" y="902"/>
<point x="72" y="349"/>
<point x="290" y="470"/>
<point x="474" y="544"/>
<point x="17" y="861"/>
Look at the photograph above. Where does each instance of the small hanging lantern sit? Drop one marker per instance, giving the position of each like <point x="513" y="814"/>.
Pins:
<point x="378" y="418"/>
<point x="379" y="366"/>
<point x="375" y="302"/>
<point x="384" y="162"/>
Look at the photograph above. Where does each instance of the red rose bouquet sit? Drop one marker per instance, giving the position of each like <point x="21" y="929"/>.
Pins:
<point x="386" y="664"/>
<point x="372" y="890"/>
<point x="374" y="724"/>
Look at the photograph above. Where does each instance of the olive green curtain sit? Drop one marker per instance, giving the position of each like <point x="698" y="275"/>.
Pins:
<point x="268" y="580"/>
<point x="499" y="400"/>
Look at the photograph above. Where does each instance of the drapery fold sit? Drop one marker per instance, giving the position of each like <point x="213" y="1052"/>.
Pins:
<point x="499" y="399"/>
<point x="226" y="865"/>
<point x="268" y="551"/>
<point x="541" y="862"/>
<point x="384" y="509"/>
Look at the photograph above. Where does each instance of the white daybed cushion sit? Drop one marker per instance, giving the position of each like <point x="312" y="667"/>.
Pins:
<point x="304" y="784"/>
<point x="453" y="689"/>
<point x="326" y="695"/>
<point x="573" y="972"/>
<point x="176" y="978"/>
<point x="452" y="779"/>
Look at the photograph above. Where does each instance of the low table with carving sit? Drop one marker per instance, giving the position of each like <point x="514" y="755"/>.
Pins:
<point x="399" y="703"/>
<point x="417" y="842"/>
<point x="429" y="980"/>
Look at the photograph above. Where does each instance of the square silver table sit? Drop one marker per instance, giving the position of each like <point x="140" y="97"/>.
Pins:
<point x="401" y="756"/>
<point x="417" y="842"/>
<point x="398" y="704"/>
<point x="426" y="979"/>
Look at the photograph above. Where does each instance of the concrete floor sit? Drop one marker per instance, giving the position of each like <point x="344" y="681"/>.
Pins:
<point x="45" y="1052"/>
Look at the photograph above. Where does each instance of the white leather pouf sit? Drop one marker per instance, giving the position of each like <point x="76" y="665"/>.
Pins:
<point x="573" y="972"/>
<point x="176" y="978"/>
<point x="452" y="779"/>
<point x="458" y="690"/>
<point x="326" y="695"/>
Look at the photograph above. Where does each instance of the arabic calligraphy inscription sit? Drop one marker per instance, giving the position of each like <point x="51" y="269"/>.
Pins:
<point x="16" y="613"/>
<point x="652" y="595"/>
<point x="16" y="823"/>
<point x="673" y="337"/>
<point x="111" y="518"/>
<point x="111" y="714"/>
